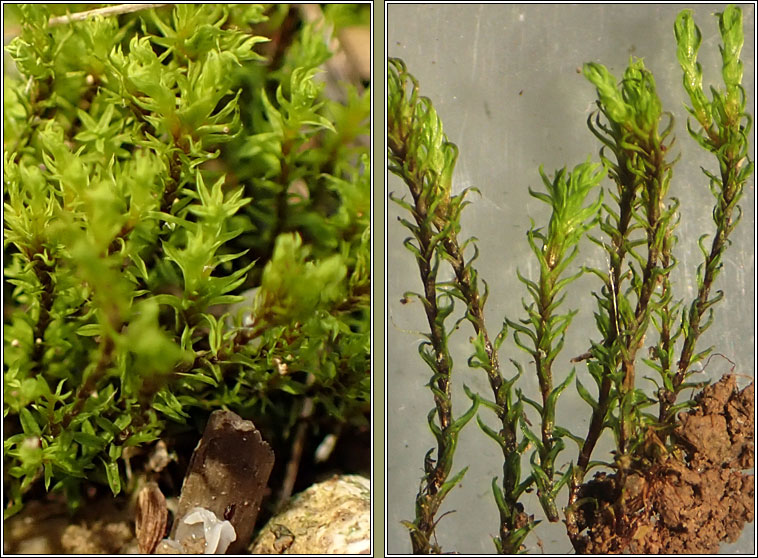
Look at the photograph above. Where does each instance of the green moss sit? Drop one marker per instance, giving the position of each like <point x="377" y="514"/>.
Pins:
<point x="633" y="223"/>
<point x="158" y="166"/>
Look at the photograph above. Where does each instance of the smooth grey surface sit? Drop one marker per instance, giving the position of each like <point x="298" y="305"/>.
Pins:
<point x="505" y="80"/>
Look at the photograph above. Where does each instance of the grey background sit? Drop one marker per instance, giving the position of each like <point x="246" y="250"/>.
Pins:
<point x="504" y="81"/>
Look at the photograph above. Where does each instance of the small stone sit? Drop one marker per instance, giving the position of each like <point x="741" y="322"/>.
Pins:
<point x="332" y="517"/>
<point x="228" y="474"/>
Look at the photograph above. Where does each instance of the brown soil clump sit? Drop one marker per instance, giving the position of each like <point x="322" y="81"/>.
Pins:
<point x="688" y="502"/>
<point x="103" y="526"/>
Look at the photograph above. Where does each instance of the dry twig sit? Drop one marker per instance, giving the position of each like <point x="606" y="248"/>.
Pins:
<point x="104" y="12"/>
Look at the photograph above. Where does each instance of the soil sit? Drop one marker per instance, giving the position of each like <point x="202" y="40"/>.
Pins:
<point x="105" y="526"/>
<point x="688" y="502"/>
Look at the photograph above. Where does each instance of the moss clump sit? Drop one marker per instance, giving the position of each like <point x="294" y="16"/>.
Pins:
<point x="158" y="166"/>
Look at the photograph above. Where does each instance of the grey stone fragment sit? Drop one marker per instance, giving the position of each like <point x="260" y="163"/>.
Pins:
<point x="228" y="474"/>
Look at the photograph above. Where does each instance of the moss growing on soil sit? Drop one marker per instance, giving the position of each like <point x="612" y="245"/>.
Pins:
<point x="689" y="501"/>
<point x="675" y="481"/>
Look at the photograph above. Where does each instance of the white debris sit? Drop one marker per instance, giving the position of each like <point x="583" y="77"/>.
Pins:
<point x="199" y="531"/>
<point x="325" y="448"/>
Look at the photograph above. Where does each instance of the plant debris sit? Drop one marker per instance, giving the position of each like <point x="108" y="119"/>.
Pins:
<point x="151" y="517"/>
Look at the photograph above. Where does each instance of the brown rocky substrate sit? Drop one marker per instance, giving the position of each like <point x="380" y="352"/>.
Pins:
<point x="686" y="503"/>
